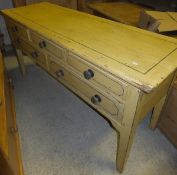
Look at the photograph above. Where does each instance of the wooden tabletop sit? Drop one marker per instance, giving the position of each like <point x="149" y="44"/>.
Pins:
<point x="124" y="12"/>
<point x="141" y="58"/>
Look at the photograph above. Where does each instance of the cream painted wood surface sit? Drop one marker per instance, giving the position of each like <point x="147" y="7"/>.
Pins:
<point x="107" y="104"/>
<point x="56" y="50"/>
<point x="100" y="78"/>
<point x="121" y="71"/>
<point x="124" y="46"/>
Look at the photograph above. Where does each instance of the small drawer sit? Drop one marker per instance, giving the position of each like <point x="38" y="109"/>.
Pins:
<point x="16" y="29"/>
<point x="45" y="45"/>
<point x="98" y="100"/>
<point x="25" y="47"/>
<point x="91" y="74"/>
<point x="37" y="56"/>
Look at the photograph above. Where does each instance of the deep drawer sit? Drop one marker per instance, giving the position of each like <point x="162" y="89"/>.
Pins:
<point x="99" y="101"/>
<point x="93" y="75"/>
<point x="46" y="45"/>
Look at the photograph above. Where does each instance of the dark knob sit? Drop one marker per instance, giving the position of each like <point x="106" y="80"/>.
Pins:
<point x="15" y="29"/>
<point x="60" y="73"/>
<point x="18" y="41"/>
<point x="13" y="130"/>
<point x="34" y="54"/>
<point x="96" y="99"/>
<point x="42" y="44"/>
<point x="88" y="74"/>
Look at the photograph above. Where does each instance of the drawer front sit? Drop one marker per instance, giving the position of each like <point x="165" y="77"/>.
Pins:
<point x="98" y="100"/>
<point x="16" y="29"/>
<point x="95" y="76"/>
<point x="37" y="56"/>
<point x="46" y="45"/>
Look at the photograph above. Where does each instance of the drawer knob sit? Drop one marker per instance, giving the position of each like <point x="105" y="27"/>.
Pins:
<point x="13" y="130"/>
<point x="42" y="44"/>
<point x="88" y="74"/>
<point x="60" y="73"/>
<point x="15" y="29"/>
<point x="34" y="54"/>
<point x="18" y="41"/>
<point x="96" y="99"/>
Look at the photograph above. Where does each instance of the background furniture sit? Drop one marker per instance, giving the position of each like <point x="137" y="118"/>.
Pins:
<point x="161" y="5"/>
<point x="83" y="4"/>
<point x="65" y="3"/>
<point x="117" y="75"/>
<point x="168" y="120"/>
<point x="18" y="3"/>
<point x="137" y="15"/>
<point x="124" y="12"/>
<point x="10" y="157"/>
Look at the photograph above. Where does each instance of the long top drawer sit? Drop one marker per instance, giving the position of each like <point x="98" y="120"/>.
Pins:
<point x="94" y="75"/>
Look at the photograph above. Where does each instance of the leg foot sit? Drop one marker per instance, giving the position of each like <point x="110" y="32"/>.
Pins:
<point x="124" y="143"/>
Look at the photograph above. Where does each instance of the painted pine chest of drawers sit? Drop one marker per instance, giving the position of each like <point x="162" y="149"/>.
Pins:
<point x="121" y="71"/>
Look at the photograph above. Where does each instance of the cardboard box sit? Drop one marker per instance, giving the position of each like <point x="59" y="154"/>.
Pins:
<point x="158" y="21"/>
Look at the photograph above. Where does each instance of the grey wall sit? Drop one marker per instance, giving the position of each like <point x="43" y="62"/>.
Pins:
<point x="4" y="4"/>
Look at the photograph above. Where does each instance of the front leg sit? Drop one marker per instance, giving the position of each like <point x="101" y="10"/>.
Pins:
<point x="20" y="60"/>
<point x="128" y="127"/>
<point x="124" y="143"/>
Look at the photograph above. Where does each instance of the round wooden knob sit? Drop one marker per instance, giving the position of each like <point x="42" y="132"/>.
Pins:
<point x="42" y="44"/>
<point x="88" y="74"/>
<point x="34" y="54"/>
<point x="18" y="41"/>
<point x="96" y="99"/>
<point x="15" y="29"/>
<point x="60" y="73"/>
